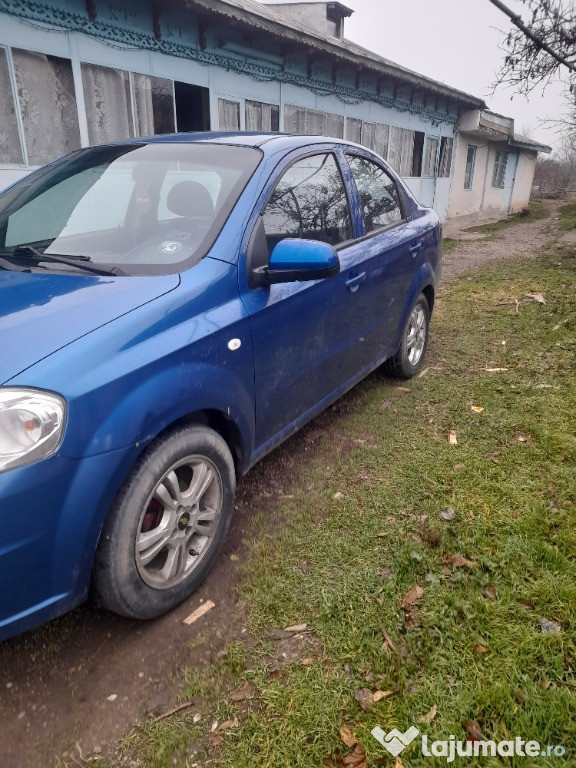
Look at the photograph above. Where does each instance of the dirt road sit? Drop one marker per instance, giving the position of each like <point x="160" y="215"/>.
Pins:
<point x="82" y="681"/>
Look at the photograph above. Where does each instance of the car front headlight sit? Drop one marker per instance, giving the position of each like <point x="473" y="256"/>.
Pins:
<point x="31" y="425"/>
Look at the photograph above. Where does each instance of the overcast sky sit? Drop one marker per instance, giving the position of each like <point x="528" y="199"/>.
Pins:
<point x="459" y="43"/>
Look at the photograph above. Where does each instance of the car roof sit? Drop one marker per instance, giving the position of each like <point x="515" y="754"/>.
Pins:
<point x="240" y="138"/>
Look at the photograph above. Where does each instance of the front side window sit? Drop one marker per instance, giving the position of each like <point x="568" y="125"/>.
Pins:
<point x="469" y="172"/>
<point x="47" y="105"/>
<point x="380" y="200"/>
<point x="146" y="209"/>
<point x="309" y="202"/>
<point x="499" y="172"/>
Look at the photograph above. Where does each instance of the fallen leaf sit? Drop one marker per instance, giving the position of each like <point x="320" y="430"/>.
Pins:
<point x="480" y="648"/>
<point x="347" y="736"/>
<point x="385" y="573"/>
<point x="234" y="558"/>
<point x="246" y="692"/>
<point x="398" y="762"/>
<point x="494" y="370"/>
<point x="307" y="661"/>
<point x="429" y="716"/>
<point x="384" y="405"/>
<point x="452" y="437"/>
<point x="473" y="731"/>
<point x="356" y="758"/>
<point x="549" y="627"/>
<point x="338" y="495"/>
<point x="274" y="674"/>
<point x="296" y="628"/>
<point x="522" y="437"/>
<point x="459" y="466"/>
<point x="546" y="684"/>
<point x="199" y="612"/>
<point x="379" y="695"/>
<point x="423" y="373"/>
<point x="526" y="605"/>
<point x="399" y="388"/>
<point x="388" y="640"/>
<point x="364" y="697"/>
<point x="229" y="724"/>
<point x="448" y="514"/>
<point x="382" y="534"/>
<point x="536" y="297"/>
<point x="491" y="591"/>
<point x="459" y="561"/>
<point x="412" y="596"/>
<point x="477" y="408"/>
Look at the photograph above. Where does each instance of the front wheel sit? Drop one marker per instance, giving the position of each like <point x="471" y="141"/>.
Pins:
<point x="410" y="356"/>
<point x="166" y="525"/>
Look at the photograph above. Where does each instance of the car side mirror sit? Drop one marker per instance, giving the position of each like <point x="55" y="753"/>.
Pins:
<point x="295" y="259"/>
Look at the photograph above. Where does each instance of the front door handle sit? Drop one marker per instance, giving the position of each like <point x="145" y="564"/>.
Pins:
<point x="353" y="282"/>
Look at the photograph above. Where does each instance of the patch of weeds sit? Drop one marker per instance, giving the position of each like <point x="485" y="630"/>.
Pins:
<point x="537" y="210"/>
<point x="567" y="215"/>
<point x="449" y="244"/>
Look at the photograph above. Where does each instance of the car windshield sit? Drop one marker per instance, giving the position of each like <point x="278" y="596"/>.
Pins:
<point x="145" y="209"/>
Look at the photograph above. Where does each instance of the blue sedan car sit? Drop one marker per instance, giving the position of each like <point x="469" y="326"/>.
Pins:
<point x="171" y="309"/>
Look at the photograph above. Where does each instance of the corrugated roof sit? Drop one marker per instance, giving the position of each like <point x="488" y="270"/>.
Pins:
<point x="523" y="141"/>
<point x="264" y="17"/>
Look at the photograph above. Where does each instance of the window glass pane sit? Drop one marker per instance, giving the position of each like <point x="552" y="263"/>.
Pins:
<point x="261" y="117"/>
<point x="47" y="105"/>
<point x="294" y="118"/>
<point x="499" y="171"/>
<point x="369" y="135"/>
<point x="310" y="202"/>
<point x="469" y="173"/>
<point x="381" y="141"/>
<point x="407" y="152"/>
<point x="10" y="149"/>
<point x="378" y="193"/>
<point x="354" y="130"/>
<point x="446" y="149"/>
<point x="228" y="115"/>
<point x="430" y="154"/>
<point x="335" y="125"/>
<point x="154" y="99"/>
<point x="108" y="103"/>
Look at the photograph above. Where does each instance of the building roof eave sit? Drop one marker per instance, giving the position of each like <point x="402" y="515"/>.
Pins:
<point x="264" y="18"/>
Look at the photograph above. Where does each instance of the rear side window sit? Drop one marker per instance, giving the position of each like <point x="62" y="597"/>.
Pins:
<point x="309" y="202"/>
<point x="381" y="205"/>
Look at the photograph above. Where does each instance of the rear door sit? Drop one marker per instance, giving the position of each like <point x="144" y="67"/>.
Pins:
<point x="392" y="246"/>
<point x="308" y="337"/>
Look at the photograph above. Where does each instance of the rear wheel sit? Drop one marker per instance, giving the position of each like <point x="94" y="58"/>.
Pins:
<point x="167" y="524"/>
<point x="410" y="356"/>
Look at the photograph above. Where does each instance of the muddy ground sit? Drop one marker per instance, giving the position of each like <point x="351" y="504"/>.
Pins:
<point x="81" y="682"/>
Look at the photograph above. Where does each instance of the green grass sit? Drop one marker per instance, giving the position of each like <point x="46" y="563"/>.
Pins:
<point x="568" y="216"/>
<point x="364" y="526"/>
<point x="536" y="210"/>
<point x="449" y="244"/>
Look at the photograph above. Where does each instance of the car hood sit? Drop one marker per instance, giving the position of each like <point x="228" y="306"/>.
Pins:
<point x="40" y="314"/>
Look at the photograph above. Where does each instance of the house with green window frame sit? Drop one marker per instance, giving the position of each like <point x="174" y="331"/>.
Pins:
<point x="75" y="73"/>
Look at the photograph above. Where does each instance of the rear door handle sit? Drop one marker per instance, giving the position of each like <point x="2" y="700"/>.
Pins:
<point x="353" y="283"/>
<point x="415" y="249"/>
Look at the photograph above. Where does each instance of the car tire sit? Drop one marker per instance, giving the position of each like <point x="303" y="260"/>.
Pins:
<point x="410" y="356"/>
<point x="166" y="525"/>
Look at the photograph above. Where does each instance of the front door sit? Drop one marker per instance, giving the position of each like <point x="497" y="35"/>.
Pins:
<point x="310" y="334"/>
